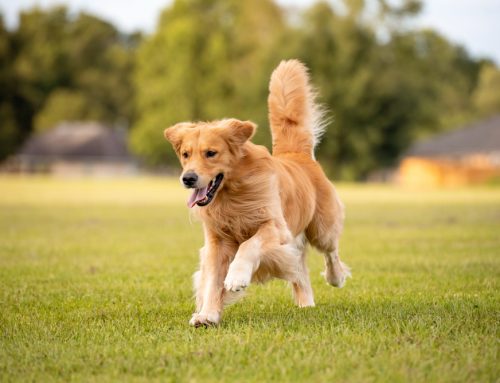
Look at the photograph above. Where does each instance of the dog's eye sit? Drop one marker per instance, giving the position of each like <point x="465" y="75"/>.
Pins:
<point x="210" y="153"/>
<point x="185" y="154"/>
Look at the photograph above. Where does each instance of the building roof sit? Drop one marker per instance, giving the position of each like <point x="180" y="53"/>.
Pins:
<point x="479" y="138"/>
<point x="78" y="140"/>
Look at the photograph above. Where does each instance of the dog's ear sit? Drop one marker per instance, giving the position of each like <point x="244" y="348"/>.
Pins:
<point x="239" y="131"/>
<point x="175" y="133"/>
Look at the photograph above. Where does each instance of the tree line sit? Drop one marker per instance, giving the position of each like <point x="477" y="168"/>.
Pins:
<point x="384" y="83"/>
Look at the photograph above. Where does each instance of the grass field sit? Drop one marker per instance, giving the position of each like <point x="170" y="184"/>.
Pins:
<point x="95" y="285"/>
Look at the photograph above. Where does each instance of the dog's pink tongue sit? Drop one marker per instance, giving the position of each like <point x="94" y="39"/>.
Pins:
<point x="198" y="195"/>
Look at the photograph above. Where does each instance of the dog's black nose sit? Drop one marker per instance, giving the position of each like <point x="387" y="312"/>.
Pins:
<point x="189" y="179"/>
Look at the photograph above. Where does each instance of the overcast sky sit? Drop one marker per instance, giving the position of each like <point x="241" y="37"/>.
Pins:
<point x="473" y="23"/>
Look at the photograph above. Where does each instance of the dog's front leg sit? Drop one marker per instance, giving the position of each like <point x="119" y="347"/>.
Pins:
<point x="248" y="257"/>
<point x="214" y="261"/>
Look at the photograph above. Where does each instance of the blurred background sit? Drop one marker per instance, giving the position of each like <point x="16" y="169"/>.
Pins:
<point x="412" y="87"/>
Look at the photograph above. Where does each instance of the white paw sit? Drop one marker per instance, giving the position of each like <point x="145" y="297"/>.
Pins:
<point x="236" y="284"/>
<point x="238" y="276"/>
<point x="237" y="280"/>
<point x="334" y="279"/>
<point x="205" y="320"/>
<point x="339" y="281"/>
<point x="337" y="275"/>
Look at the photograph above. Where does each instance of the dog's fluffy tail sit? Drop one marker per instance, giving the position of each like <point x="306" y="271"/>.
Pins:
<point x="297" y="122"/>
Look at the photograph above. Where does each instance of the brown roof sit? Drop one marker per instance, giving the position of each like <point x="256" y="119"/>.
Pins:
<point x="75" y="140"/>
<point x="479" y="138"/>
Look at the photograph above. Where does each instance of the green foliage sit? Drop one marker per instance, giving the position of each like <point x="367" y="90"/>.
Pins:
<point x="382" y="96"/>
<point x="384" y="83"/>
<point x="8" y="130"/>
<point x="487" y="94"/>
<point x="201" y="64"/>
<point x="84" y="54"/>
<point x="63" y="67"/>
<point x="95" y="285"/>
<point x="382" y="92"/>
<point x="10" y="134"/>
<point x="68" y="105"/>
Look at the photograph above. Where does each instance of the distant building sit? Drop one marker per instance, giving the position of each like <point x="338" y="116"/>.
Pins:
<point x="76" y="148"/>
<point x="465" y="156"/>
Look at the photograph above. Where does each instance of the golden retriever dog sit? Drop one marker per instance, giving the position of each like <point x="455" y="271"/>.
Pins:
<point x="259" y="210"/>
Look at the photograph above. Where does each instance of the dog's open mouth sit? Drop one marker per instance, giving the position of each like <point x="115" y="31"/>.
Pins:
<point x="204" y="196"/>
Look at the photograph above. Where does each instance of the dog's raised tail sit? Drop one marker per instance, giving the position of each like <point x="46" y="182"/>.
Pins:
<point x="297" y="122"/>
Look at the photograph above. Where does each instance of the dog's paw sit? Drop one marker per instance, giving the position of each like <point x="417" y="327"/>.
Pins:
<point x="238" y="277"/>
<point x="235" y="284"/>
<point x="205" y="320"/>
<point x="338" y="274"/>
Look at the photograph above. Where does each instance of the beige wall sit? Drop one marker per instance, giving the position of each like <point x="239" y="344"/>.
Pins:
<point x="426" y="172"/>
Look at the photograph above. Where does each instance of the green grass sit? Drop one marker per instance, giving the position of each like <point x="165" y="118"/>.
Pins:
<point x="95" y="285"/>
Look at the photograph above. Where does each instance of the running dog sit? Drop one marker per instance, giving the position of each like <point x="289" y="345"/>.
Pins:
<point x="259" y="210"/>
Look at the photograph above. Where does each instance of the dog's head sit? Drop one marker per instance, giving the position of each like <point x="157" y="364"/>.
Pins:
<point x="208" y="151"/>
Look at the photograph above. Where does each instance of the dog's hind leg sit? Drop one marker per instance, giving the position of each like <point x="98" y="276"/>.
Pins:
<point x="336" y="271"/>
<point x="324" y="233"/>
<point x="301" y="286"/>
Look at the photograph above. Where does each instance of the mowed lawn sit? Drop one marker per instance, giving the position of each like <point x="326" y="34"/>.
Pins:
<point x="95" y="285"/>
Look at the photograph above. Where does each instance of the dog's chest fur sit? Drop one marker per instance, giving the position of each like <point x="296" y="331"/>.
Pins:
<point x="237" y="212"/>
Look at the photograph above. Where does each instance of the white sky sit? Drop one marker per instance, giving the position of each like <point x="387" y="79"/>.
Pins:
<point x="473" y="23"/>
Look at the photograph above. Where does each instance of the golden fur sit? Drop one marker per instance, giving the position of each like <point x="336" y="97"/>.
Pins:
<point x="268" y="207"/>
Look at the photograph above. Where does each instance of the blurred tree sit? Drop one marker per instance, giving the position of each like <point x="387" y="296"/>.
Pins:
<point x="341" y="73"/>
<point x="385" y="83"/>
<point x="68" y="105"/>
<point x="9" y="134"/>
<point x="57" y="65"/>
<point x="41" y="61"/>
<point x="382" y="91"/>
<point x="101" y="61"/>
<point x="202" y="63"/>
<point x="447" y="75"/>
<point x="486" y="97"/>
